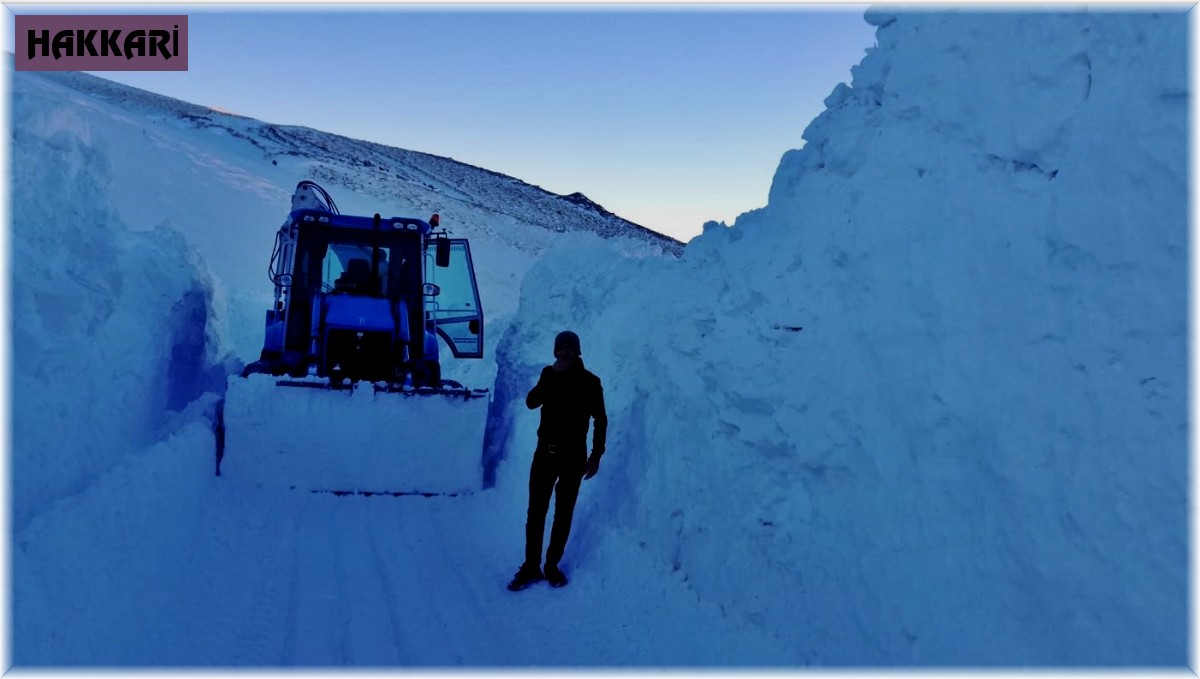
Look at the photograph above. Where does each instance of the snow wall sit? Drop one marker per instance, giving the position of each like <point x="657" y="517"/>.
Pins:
<point x="112" y="330"/>
<point x="937" y="387"/>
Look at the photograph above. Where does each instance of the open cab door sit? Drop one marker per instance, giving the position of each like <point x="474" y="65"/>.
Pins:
<point x="453" y="305"/>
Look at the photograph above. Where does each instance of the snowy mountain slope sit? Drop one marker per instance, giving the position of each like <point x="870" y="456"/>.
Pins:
<point x="381" y="171"/>
<point x="225" y="183"/>
<point x="934" y="394"/>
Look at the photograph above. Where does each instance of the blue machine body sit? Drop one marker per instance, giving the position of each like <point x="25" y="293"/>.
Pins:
<point x="367" y="297"/>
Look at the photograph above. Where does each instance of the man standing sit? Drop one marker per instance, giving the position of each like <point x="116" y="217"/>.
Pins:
<point x="569" y="396"/>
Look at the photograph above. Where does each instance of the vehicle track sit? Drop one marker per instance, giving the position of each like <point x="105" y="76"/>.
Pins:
<point x="277" y="578"/>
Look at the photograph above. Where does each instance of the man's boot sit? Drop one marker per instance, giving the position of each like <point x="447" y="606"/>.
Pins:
<point x="526" y="576"/>
<point x="554" y="576"/>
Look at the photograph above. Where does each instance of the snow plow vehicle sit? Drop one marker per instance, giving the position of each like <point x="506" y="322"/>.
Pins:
<point x="347" y="395"/>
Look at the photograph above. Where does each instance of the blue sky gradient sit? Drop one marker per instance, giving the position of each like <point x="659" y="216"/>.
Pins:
<point x="667" y="116"/>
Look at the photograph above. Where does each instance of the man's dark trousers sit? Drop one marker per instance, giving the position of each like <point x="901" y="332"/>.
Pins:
<point x="567" y="467"/>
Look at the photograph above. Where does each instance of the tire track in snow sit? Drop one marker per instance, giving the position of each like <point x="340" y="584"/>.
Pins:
<point x="420" y="584"/>
<point x="299" y="580"/>
<point x="432" y="604"/>
<point x="370" y="630"/>
<point x="404" y="562"/>
<point x="320" y="622"/>
<point x="389" y="588"/>
<point x="476" y="614"/>
<point x="228" y="611"/>
<point x="340" y="616"/>
<point x="256" y="565"/>
<point x="288" y="655"/>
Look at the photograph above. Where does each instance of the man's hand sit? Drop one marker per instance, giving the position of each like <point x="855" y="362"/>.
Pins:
<point x="564" y="358"/>
<point x="593" y="466"/>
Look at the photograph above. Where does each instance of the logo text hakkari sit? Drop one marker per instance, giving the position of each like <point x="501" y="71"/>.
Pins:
<point x="104" y="43"/>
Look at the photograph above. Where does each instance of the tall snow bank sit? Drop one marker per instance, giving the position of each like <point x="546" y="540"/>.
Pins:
<point x="928" y="406"/>
<point x="111" y="329"/>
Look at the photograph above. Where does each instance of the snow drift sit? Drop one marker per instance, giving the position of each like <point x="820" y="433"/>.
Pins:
<point x="926" y="407"/>
<point x="111" y="329"/>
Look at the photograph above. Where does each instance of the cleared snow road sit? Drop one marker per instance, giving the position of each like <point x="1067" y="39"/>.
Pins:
<point x="285" y="578"/>
<point x="153" y="565"/>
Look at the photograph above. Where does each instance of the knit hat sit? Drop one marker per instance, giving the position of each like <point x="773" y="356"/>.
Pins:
<point x="569" y="340"/>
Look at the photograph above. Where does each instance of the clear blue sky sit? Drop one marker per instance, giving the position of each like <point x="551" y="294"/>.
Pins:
<point x="666" y="116"/>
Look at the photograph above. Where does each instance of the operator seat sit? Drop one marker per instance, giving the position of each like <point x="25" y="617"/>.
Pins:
<point x="355" y="277"/>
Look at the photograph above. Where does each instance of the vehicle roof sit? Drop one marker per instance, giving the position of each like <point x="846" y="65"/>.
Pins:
<point x="362" y="223"/>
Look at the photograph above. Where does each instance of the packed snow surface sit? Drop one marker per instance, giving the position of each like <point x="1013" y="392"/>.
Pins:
<point x="925" y="408"/>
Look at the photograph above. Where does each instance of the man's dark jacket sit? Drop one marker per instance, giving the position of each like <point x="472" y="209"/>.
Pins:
<point x="568" y="399"/>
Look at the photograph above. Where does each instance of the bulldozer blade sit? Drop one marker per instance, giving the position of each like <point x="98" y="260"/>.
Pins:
<point x="362" y="439"/>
